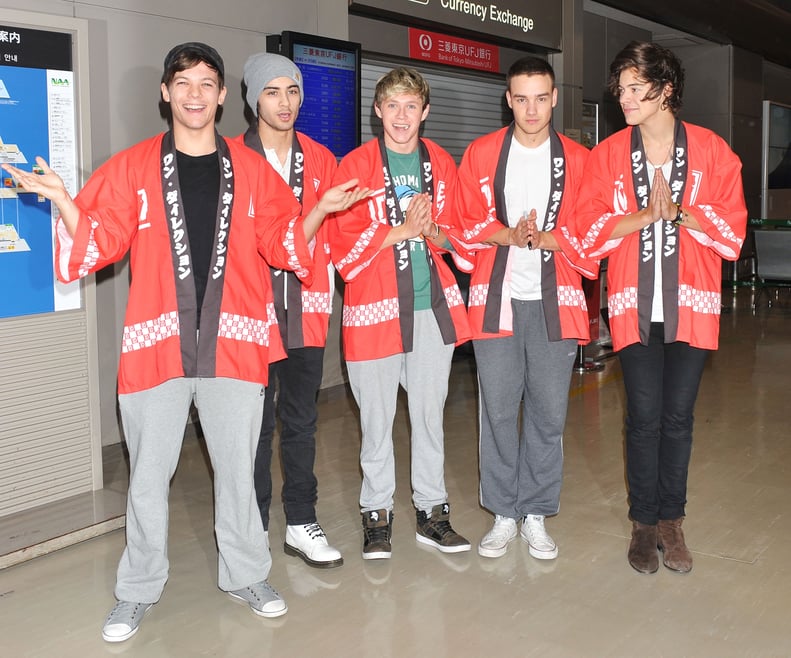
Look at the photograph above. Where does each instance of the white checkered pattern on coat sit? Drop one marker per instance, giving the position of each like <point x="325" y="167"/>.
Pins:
<point x="316" y="302"/>
<point x="473" y="233"/>
<point x="593" y="234"/>
<point x="478" y="294"/>
<point x="149" y="333"/>
<point x="725" y="231"/>
<point x="571" y="296"/>
<point x="359" y="247"/>
<point x="453" y="296"/>
<point x="290" y="246"/>
<point x="243" y="328"/>
<point x="91" y="252"/>
<point x="619" y="303"/>
<point x="700" y="301"/>
<point x="367" y="315"/>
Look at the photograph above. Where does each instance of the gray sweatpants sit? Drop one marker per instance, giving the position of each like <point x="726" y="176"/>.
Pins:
<point x="522" y="467"/>
<point x="424" y="375"/>
<point x="154" y="421"/>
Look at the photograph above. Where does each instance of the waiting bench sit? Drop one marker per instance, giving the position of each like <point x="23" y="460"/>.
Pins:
<point x="773" y="261"/>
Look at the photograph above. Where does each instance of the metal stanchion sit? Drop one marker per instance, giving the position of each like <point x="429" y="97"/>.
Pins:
<point x="583" y="365"/>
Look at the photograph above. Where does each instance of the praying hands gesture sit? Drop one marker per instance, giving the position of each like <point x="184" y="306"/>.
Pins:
<point x="417" y="221"/>
<point x="660" y="200"/>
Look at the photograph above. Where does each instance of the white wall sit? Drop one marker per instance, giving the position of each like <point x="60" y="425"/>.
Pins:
<point x="128" y="41"/>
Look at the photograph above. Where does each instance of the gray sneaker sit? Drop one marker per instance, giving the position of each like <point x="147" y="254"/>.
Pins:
<point x="262" y="599"/>
<point x="124" y="620"/>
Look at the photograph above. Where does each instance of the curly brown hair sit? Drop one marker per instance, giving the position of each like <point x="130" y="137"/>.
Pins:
<point x="654" y="64"/>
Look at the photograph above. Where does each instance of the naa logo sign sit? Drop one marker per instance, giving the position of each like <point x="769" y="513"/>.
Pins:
<point x="60" y="82"/>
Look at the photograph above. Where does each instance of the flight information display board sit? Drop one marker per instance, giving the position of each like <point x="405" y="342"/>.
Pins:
<point x="330" y="113"/>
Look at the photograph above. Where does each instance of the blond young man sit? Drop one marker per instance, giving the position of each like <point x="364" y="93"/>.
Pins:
<point x="402" y="311"/>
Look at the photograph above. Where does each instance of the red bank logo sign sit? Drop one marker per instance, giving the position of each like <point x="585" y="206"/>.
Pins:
<point x="453" y="51"/>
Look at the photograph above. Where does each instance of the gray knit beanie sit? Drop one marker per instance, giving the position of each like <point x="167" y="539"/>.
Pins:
<point x="260" y="69"/>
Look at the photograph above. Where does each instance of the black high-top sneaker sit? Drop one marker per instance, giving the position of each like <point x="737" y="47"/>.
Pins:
<point x="435" y="530"/>
<point x="377" y="530"/>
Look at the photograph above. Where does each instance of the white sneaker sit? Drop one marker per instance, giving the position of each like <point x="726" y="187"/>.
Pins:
<point x="310" y="543"/>
<point x="495" y="542"/>
<point x="540" y="544"/>
<point x="124" y="620"/>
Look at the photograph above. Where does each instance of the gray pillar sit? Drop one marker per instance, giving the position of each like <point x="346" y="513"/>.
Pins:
<point x="568" y="72"/>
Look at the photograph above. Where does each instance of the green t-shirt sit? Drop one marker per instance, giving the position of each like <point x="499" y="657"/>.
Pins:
<point x="405" y="176"/>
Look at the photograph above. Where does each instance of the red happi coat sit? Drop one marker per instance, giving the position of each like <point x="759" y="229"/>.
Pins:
<point x="320" y="166"/>
<point x="371" y="327"/>
<point x="476" y="200"/>
<point x="713" y="195"/>
<point x="122" y="209"/>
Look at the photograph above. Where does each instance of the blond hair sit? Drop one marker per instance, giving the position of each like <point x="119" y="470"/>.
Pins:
<point x="401" y="80"/>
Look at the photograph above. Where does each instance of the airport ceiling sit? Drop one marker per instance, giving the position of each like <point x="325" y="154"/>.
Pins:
<point x="759" y="26"/>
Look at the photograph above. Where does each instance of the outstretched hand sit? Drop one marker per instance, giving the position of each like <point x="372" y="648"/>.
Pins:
<point x="48" y="184"/>
<point x="343" y="196"/>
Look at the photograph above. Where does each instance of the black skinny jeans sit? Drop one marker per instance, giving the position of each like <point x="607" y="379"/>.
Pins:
<point x="297" y="380"/>
<point x="661" y="381"/>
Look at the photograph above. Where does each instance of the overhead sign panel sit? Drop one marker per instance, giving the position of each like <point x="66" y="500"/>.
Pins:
<point x="537" y="23"/>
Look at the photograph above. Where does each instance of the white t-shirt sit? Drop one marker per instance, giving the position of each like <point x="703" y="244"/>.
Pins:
<point x="527" y="185"/>
<point x="657" y="309"/>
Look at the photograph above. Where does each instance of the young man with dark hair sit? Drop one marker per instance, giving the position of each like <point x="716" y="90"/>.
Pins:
<point x="198" y="215"/>
<point x="516" y="196"/>
<point x="663" y="202"/>
<point x="402" y="310"/>
<point x="275" y="94"/>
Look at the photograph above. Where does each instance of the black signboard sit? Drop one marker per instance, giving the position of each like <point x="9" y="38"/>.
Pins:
<point x="535" y="23"/>
<point x="35" y="49"/>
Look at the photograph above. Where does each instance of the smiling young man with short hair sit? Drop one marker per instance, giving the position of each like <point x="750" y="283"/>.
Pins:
<point x="517" y="194"/>
<point x="198" y="215"/>
<point x="402" y="311"/>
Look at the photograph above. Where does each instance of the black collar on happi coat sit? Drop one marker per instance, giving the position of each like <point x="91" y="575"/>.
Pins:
<point x="669" y="248"/>
<point x="549" y="289"/>
<point x="401" y="253"/>
<point x="198" y="360"/>
<point x="286" y="286"/>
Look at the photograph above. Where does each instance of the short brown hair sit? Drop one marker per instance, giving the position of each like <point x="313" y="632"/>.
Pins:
<point x="530" y="65"/>
<point x="186" y="55"/>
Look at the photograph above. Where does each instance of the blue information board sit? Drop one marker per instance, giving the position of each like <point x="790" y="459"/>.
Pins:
<point x="36" y="119"/>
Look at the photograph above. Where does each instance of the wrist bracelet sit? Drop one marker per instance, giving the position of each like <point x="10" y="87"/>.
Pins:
<point x="436" y="235"/>
<point x="679" y="215"/>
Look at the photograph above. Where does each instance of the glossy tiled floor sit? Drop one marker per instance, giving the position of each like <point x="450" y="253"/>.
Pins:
<point x="588" y="602"/>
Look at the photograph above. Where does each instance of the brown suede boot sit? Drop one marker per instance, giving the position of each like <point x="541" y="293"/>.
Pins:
<point x="670" y="538"/>
<point x="642" y="549"/>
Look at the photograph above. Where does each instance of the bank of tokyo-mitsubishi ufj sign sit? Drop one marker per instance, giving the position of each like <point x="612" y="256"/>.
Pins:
<point x="537" y="22"/>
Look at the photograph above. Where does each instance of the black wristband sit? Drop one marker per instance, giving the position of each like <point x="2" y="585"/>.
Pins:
<point x="679" y="215"/>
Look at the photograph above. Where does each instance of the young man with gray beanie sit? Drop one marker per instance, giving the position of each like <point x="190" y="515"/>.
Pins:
<point x="275" y="94"/>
